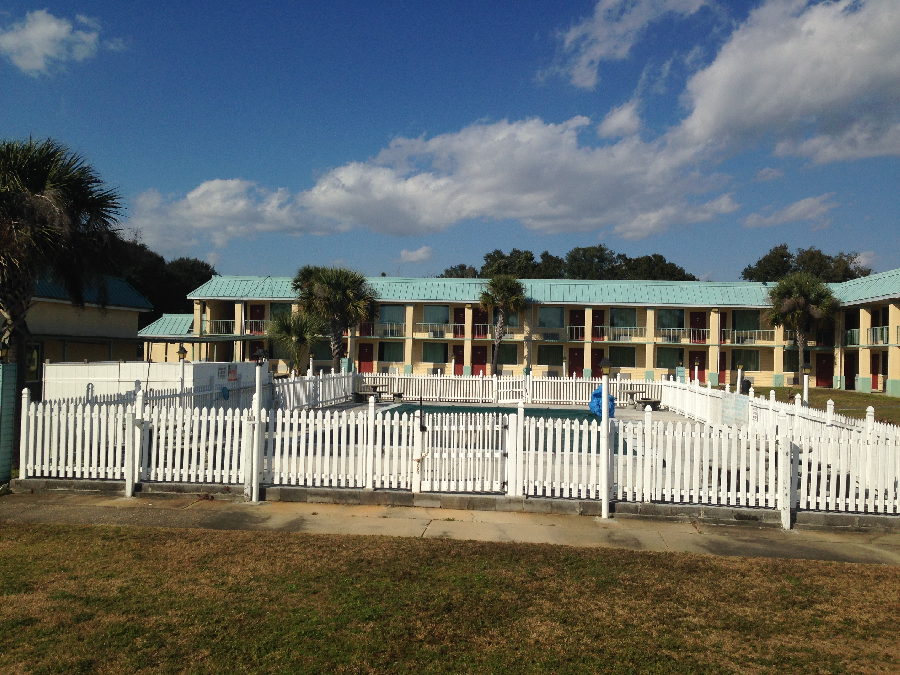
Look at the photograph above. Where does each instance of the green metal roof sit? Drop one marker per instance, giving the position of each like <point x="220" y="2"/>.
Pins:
<point x="560" y="291"/>
<point x="119" y="293"/>
<point x="169" y="325"/>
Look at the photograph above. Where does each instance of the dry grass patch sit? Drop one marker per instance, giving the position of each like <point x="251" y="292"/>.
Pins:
<point x="97" y="599"/>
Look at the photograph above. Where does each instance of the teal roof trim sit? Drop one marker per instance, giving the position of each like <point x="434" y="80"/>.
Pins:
<point x="169" y="325"/>
<point x="119" y="293"/>
<point x="560" y="291"/>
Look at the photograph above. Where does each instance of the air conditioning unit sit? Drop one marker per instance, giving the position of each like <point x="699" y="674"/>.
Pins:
<point x="436" y="371"/>
<point x="435" y="333"/>
<point x="551" y="337"/>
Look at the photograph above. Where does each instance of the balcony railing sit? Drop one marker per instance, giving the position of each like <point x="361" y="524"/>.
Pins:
<point x="255" y="326"/>
<point x="625" y="333"/>
<point x="879" y="335"/>
<point x="481" y="331"/>
<point x="509" y="332"/>
<point x="390" y="330"/>
<point x="575" y="333"/>
<point x="598" y="333"/>
<point x="851" y="337"/>
<point x="549" y="334"/>
<point x="823" y="338"/>
<point x="217" y="327"/>
<point x="436" y="331"/>
<point x="747" y="337"/>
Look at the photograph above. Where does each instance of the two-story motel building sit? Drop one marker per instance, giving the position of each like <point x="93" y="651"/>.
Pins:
<point x="647" y="329"/>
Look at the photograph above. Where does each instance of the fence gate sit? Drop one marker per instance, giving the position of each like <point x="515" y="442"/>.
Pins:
<point x="464" y="453"/>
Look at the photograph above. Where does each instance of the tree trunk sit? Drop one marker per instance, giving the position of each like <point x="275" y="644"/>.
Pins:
<point x="337" y="347"/>
<point x="498" y="336"/>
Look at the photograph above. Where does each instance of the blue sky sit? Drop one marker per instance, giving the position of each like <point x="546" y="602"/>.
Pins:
<point x="406" y="137"/>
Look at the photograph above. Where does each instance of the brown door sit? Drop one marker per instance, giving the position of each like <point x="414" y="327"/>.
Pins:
<point x="598" y="317"/>
<point x="576" y="361"/>
<point x="699" y="357"/>
<point x="698" y="328"/>
<point x="459" y="326"/>
<point x="576" y="326"/>
<point x="459" y="355"/>
<point x="479" y="360"/>
<point x="257" y="319"/>
<point x="723" y="375"/>
<point x="851" y="370"/>
<point x="596" y="358"/>
<point x="824" y="370"/>
<point x="479" y="323"/>
<point x="876" y="368"/>
<point x="366" y="357"/>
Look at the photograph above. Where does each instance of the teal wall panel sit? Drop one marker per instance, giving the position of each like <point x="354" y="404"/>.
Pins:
<point x="7" y="418"/>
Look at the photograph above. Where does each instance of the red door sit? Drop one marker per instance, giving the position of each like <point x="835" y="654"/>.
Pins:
<point x="459" y="327"/>
<point x="824" y="370"/>
<point x="576" y="361"/>
<point x="723" y="326"/>
<point x="596" y="358"/>
<point x="723" y="375"/>
<point x="479" y="323"/>
<point x="576" y="326"/>
<point x="698" y="328"/>
<point x="257" y="319"/>
<point x="479" y="360"/>
<point x="700" y="358"/>
<point x="876" y="368"/>
<point x="598" y="317"/>
<point x="366" y="357"/>
<point x="459" y="356"/>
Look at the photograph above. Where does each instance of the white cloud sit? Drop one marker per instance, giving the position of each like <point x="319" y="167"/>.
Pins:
<point x="35" y="44"/>
<point x="213" y="258"/>
<point x="823" y="79"/>
<point x="768" y="173"/>
<point x="610" y="33"/>
<point x="866" y="259"/>
<point x="809" y="209"/>
<point x="621" y="121"/>
<point x="419" y="255"/>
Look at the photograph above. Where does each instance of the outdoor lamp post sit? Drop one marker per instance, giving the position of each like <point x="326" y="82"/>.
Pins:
<point x="182" y="353"/>
<point x="806" y="371"/>
<point x="260" y="356"/>
<point x="740" y="378"/>
<point x="605" y="367"/>
<point x="696" y="369"/>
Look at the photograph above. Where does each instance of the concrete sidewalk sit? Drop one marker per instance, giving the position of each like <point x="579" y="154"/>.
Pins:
<point x="635" y="534"/>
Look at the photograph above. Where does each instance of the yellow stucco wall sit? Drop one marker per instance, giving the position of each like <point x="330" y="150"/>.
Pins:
<point x="59" y="318"/>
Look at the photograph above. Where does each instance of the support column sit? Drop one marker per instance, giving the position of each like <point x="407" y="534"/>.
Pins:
<point x="715" y="334"/>
<point x="892" y="385"/>
<point x="839" y="350"/>
<point x="778" y="366"/>
<point x="526" y="317"/>
<point x="467" y="345"/>
<point x="238" y="329"/>
<point x="408" y="329"/>
<point x="588" y="323"/>
<point x="864" y="381"/>
<point x="650" y="362"/>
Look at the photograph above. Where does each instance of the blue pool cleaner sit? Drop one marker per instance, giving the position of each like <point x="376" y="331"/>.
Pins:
<point x="597" y="403"/>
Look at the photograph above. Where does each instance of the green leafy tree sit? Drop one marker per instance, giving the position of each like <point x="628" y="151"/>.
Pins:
<point x="799" y="302"/>
<point x="520" y="264"/>
<point x="57" y="218"/>
<point x="183" y="275"/>
<point x="341" y="298"/>
<point x="651" y="268"/>
<point x="461" y="271"/>
<point x="780" y="262"/>
<point x="550" y="267"/>
<point x="505" y="295"/>
<point x="297" y="334"/>
<point x="592" y="262"/>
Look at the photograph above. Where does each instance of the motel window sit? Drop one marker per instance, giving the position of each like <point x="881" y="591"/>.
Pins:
<point x="434" y="352"/>
<point x="512" y="320"/>
<point x="670" y="318"/>
<point x="623" y="317"/>
<point x="322" y="351"/>
<point x="277" y="351"/>
<point x="622" y="357"/>
<point x="279" y="308"/>
<point x="437" y="314"/>
<point x="390" y="351"/>
<point x="745" y="319"/>
<point x="509" y="355"/>
<point x="552" y="317"/>
<point x="748" y="357"/>
<point x="669" y="357"/>
<point x="550" y="355"/>
<point x="792" y="360"/>
<point x="392" y="314"/>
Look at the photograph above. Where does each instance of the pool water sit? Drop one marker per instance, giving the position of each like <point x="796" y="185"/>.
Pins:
<point x="559" y="413"/>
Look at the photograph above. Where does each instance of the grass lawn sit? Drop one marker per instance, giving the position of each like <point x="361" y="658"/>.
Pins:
<point x="104" y="599"/>
<point x="850" y="403"/>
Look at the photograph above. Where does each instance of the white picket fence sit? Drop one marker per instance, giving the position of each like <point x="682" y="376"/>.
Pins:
<point x="785" y="465"/>
<point x="314" y="391"/>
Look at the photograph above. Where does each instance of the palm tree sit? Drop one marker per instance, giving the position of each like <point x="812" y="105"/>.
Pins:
<point x="57" y="218"/>
<point x="296" y="334"/>
<point x="798" y="302"/>
<point x="341" y="298"/>
<point x="505" y="295"/>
